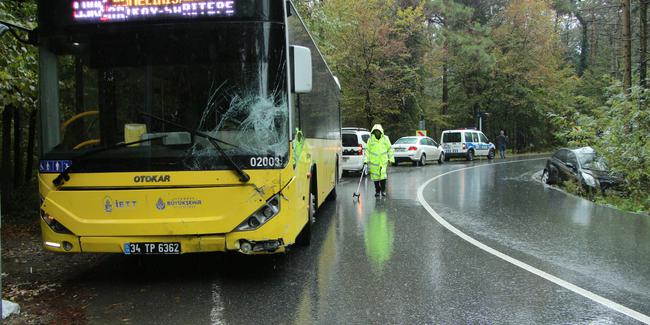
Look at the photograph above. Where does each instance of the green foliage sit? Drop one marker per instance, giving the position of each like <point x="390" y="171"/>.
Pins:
<point x="620" y="131"/>
<point x="573" y="187"/>
<point x="18" y="61"/>
<point x="378" y="49"/>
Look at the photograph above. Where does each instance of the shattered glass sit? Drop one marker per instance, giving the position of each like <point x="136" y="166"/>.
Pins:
<point x="254" y="125"/>
<point x="226" y="80"/>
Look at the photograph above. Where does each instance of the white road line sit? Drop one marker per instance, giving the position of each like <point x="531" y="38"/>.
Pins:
<point x="216" y="313"/>
<point x="585" y="293"/>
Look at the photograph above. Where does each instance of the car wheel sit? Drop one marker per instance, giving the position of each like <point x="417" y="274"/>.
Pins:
<point x="551" y="178"/>
<point x="491" y="154"/>
<point x="470" y="155"/>
<point x="441" y="158"/>
<point x="423" y="160"/>
<point x="304" y="238"/>
<point x="545" y="177"/>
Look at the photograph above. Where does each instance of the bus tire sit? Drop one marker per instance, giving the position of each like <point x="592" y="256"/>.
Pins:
<point x="332" y="195"/>
<point x="304" y="238"/>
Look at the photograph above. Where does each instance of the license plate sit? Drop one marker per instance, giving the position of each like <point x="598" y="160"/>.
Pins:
<point x="152" y="248"/>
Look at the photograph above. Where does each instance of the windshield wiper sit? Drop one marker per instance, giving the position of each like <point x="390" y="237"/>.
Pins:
<point x="64" y="176"/>
<point x="243" y="176"/>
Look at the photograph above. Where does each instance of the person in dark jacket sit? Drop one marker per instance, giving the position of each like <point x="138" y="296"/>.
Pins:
<point x="502" y="141"/>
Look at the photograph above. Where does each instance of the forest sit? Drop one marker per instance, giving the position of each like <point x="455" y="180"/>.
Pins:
<point x="549" y="73"/>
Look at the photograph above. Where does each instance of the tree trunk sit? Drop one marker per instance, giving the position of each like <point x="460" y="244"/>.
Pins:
<point x="445" y="82"/>
<point x="5" y="171"/>
<point x="593" y="44"/>
<point x="614" y="45"/>
<point x="584" y="45"/>
<point x="368" y="108"/>
<point x="643" y="42"/>
<point x="18" y="141"/>
<point x="514" y="138"/>
<point x="31" y="143"/>
<point x="627" y="46"/>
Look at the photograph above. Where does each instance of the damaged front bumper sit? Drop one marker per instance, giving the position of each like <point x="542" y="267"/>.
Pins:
<point x="244" y="243"/>
<point x="271" y="236"/>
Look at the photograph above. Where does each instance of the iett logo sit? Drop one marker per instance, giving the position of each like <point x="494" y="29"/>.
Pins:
<point x="108" y="205"/>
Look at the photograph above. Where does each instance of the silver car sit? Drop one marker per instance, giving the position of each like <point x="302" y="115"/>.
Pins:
<point x="418" y="150"/>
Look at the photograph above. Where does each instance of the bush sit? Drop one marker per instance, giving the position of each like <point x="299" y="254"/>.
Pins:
<point x="620" y="132"/>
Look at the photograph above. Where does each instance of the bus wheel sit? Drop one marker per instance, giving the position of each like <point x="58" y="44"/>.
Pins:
<point x="304" y="238"/>
<point x="332" y="195"/>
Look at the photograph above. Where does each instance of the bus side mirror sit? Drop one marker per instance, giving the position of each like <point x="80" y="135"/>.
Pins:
<point x="302" y="70"/>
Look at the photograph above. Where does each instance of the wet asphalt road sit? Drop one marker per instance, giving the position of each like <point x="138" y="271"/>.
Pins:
<point x="389" y="261"/>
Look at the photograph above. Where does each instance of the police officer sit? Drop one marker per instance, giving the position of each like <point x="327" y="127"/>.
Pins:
<point x="502" y="141"/>
<point x="379" y="154"/>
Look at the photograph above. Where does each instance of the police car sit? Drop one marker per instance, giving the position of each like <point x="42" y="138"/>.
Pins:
<point x="466" y="143"/>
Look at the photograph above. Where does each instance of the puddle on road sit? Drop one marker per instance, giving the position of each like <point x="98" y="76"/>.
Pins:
<point x="531" y="176"/>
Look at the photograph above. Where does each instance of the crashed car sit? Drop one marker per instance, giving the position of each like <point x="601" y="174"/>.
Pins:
<point x="582" y="165"/>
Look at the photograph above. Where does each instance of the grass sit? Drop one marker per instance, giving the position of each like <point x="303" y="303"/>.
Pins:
<point x="613" y="199"/>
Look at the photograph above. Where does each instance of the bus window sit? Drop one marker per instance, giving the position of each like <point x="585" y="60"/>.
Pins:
<point x="214" y="81"/>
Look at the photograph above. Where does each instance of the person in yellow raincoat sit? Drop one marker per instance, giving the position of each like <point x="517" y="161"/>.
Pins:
<point x="379" y="154"/>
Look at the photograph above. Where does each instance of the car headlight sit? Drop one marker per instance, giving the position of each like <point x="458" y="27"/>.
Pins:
<point x="589" y="180"/>
<point x="262" y="215"/>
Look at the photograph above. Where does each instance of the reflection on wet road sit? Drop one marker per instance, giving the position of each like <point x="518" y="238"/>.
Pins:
<point x="389" y="261"/>
<point x="378" y="237"/>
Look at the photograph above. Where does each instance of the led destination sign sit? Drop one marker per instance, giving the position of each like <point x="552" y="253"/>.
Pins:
<point x="104" y="11"/>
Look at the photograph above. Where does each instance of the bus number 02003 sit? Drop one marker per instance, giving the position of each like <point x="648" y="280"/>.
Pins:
<point x="266" y="162"/>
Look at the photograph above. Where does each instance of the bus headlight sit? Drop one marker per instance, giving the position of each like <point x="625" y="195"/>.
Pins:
<point x="54" y="225"/>
<point x="262" y="215"/>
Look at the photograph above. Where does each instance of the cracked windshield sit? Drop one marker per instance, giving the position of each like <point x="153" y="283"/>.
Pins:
<point x="161" y="86"/>
<point x="324" y="162"/>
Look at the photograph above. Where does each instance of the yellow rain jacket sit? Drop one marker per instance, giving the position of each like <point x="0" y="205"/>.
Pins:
<point x="378" y="154"/>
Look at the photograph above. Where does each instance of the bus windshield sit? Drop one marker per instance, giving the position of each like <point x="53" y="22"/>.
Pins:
<point x="226" y="79"/>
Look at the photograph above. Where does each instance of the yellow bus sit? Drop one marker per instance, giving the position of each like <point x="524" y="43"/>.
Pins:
<point x="182" y="126"/>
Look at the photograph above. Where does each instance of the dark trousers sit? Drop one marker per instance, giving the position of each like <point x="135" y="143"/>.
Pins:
<point x="380" y="186"/>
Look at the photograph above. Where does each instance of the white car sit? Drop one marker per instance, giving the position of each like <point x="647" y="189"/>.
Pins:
<point x="418" y="150"/>
<point x="354" y="142"/>
<point x="466" y="143"/>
